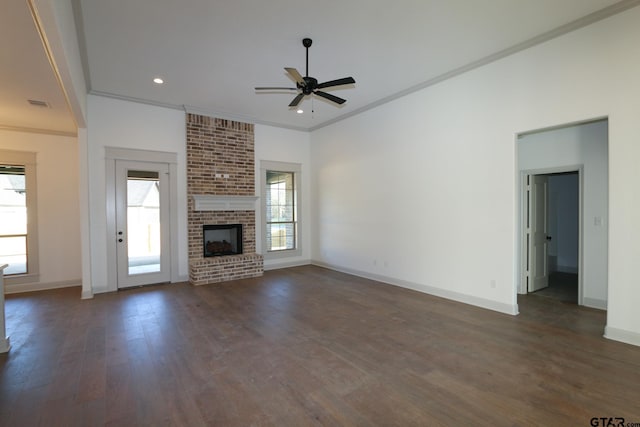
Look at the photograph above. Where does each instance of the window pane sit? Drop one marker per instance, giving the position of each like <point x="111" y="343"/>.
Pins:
<point x="280" y="197"/>
<point x="13" y="219"/>
<point x="13" y="251"/>
<point x="280" y="211"/>
<point x="13" y="201"/>
<point x="280" y="237"/>
<point x="143" y="222"/>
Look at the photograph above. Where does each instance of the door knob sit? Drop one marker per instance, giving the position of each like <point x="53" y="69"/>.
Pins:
<point x="120" y="240"/>
<point x="548" y="237"/>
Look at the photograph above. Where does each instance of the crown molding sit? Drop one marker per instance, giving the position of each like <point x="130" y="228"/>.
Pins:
<point x="40" y="131"/>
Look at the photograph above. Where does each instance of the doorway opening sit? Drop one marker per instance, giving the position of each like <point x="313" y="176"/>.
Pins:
<point x="552" y="235"/>
<point x="562" y="239"/>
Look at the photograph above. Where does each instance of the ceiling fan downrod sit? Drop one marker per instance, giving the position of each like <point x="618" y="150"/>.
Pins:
<point x="306" y="42"/>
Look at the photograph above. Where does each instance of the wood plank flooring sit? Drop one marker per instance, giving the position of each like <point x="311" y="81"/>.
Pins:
<point x="307" y="346"/>
<point x="562" y="286"/>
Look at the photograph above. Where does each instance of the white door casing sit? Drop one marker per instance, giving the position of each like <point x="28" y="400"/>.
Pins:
<point x="114" y="154"/>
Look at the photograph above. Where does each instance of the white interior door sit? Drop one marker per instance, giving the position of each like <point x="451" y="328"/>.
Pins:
<point x="539" y="242"/>
<point x="143" y="250"/>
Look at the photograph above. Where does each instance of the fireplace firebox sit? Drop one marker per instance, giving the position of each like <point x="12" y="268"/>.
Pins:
<point x="222" y="239"/>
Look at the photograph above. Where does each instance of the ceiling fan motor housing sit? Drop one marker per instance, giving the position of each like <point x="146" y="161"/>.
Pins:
<point x="309" y="86"/>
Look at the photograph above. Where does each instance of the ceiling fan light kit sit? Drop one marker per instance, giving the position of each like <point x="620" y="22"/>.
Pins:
<point x="309" y="85"/>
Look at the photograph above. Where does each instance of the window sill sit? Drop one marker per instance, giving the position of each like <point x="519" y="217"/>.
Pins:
<point x="287" y="253"/>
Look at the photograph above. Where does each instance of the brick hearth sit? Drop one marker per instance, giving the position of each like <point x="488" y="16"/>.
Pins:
<point x="220" y="162"/>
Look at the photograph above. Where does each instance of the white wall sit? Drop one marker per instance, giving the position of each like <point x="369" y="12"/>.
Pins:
<point x="422" y="191"/>
<point x="116" y="123"/>
<point x="584" y="145"/>
<point x="58" y="210"/>
<point x="284" y="145"/>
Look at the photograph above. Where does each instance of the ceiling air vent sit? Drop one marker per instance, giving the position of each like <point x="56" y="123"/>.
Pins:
<point x="38" y="103"/>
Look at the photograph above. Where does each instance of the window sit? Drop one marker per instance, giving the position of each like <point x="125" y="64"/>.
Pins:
<point x="18" y="244"/>
<point x="280" y="195"/>
<point x="13" y="219"/>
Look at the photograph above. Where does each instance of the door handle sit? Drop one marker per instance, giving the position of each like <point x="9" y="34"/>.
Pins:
<point x="120" y="240"/>
<point x="548" y="237"/>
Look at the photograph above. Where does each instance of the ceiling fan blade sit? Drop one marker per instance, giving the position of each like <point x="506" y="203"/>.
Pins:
<point x="330" y="97"/>
<point x="338" y="82"/>
<point x="296" y="76"/>
<point x="276" y="88"/>
<point x="296" y="100"/>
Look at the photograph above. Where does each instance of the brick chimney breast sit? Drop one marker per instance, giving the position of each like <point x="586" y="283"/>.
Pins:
<point x="220" y="162"/>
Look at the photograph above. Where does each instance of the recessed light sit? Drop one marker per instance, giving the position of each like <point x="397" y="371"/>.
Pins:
<point x="300" y="111"/>
<point x="158" y="81"/>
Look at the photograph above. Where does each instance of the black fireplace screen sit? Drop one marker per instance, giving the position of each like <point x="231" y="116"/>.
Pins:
<point x="223" y="239"/>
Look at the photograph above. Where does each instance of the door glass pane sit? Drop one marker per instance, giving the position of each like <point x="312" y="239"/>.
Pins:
<point x="143" y="222"/>
<point x="13" y="219"/>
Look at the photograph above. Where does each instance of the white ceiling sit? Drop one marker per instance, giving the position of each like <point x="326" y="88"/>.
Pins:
<point x="212" y="54"/>
<point x="25" y="73"/>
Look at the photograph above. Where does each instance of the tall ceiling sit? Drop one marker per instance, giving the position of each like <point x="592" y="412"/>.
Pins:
<point x="212" y="53"/>
<point x="26" y="74"/>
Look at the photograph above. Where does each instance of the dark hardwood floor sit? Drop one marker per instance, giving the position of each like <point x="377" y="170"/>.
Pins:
<point x="562" y="286"/>
<point x="307" y="346"/>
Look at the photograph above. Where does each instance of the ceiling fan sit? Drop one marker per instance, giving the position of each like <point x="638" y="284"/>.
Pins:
<point x="309" y="85"/>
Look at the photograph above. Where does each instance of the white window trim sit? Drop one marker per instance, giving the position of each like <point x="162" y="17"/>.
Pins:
<point x="28" y="159"/>
<point x="296" y="168"/>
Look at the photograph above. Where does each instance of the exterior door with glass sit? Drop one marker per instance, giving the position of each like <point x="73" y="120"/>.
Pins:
<point x="142" y="223"/>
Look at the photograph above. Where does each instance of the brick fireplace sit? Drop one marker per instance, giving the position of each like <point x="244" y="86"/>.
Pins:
<point x="221" y="190"/>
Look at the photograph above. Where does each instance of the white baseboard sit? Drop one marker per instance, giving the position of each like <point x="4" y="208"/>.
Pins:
<point x="622" y="335"/>
<point x="33" y="287"/>
<point x="438" y="292"/>
<point x="594" y="303"/>
<point x="285" y="264"/>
